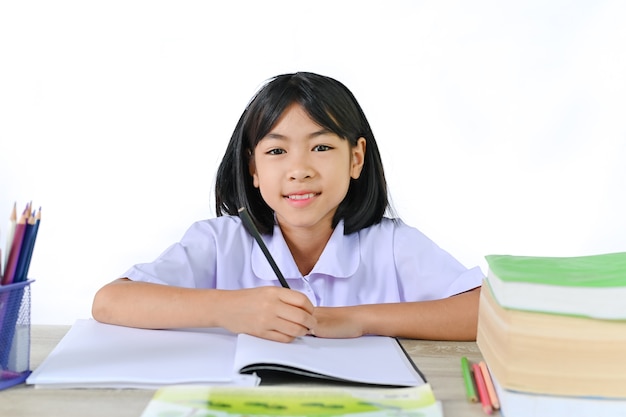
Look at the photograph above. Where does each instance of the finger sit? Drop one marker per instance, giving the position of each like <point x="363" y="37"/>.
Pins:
<point x="295" y="321"/>
<point x="278" y="336"/>
<point x="297" y="299"/>
<point x="282" y="330"/>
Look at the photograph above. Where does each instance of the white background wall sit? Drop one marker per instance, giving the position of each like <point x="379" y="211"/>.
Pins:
<point x="501" y="124"/>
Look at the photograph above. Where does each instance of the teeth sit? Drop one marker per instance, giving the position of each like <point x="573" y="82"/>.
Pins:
<point x="301" y="196"/>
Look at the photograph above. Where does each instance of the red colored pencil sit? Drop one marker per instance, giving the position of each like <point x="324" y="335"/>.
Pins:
<point x="16" y="247"/>
<point x="483" y="395"/>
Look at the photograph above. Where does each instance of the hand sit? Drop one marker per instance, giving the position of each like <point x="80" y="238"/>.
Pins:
<point x="337" y="322"/>
<point x="273" y="313"/>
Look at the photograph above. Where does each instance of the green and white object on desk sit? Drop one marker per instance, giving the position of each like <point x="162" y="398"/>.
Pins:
<point x="589" y="286"/>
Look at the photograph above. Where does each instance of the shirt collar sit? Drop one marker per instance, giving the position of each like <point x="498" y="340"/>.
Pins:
<point x="340" y="257"/>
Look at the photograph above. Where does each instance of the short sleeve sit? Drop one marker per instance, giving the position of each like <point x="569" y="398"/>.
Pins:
<point x="426" y="271"/>
<point x="188" y="263"/>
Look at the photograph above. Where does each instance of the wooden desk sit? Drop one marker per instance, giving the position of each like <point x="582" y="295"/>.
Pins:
<point x="440" y="362"/>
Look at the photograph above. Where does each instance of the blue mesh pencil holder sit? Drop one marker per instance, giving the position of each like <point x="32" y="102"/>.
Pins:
<point x="14" y="333"/>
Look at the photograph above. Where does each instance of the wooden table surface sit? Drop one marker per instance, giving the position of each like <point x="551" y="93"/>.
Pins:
<point x="440" y="362"/>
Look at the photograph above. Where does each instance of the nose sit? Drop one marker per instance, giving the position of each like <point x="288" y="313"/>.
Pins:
<point x="300" y="168"/>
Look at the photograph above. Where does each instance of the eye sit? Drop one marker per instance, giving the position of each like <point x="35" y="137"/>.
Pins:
<point x="275" y="151"/>
<point x="321" y="148"/>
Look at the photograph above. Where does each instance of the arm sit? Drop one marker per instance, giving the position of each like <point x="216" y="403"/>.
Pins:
<point x="453" y="318"/>
<point x="269" y="312"/>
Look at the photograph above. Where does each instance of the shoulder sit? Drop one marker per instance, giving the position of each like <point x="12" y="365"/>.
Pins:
<point x="392" y="227"/>
<point x="401" y="238"/>
<point x="222" y="226"/>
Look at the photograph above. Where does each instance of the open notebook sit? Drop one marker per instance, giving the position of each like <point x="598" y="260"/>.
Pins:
<point x="93" y="355"/>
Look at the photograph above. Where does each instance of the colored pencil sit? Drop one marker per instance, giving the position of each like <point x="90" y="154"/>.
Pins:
<point x="30" y="236"/>
<point x="21" y="260"/>
<point x="16" y="247"/>
<point x="491" y="390"/>
<point x="470" y="391"/>
<point x="10" y="234"/>
<point x="483" y="395"/>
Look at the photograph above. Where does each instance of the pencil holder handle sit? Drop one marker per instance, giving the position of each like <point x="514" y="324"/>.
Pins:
<point x="14" y="333"/>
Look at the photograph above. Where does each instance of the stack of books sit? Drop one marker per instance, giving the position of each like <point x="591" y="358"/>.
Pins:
<point x="552" y="331"/>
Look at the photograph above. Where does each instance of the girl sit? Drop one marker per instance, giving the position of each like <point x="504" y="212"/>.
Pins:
<point x="304" y="163"/>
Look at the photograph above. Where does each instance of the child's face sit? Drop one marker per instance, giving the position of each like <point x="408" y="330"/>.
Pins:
<point x="303" y="171"/>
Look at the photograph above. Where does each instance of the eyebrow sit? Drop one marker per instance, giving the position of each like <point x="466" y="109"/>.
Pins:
<point x="272" y="135"/>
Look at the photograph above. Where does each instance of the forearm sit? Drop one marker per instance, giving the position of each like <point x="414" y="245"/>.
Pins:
<point x="270" y="312"/>
<point x="453" y="318"/>
<point x="145" y="305"/>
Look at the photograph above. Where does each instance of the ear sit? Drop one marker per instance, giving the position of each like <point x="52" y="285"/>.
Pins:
<point x="252" y="169"/>
<point x="358" y="158"/>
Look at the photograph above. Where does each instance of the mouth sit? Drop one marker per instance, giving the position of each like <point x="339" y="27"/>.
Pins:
<point x="304" y="196"/>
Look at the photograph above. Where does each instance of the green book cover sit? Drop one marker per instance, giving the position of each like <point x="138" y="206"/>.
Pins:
<point x="599" y="271"/>
<point x="287" y="401"/>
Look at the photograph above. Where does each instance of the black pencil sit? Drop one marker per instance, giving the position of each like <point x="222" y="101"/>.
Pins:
<point x="251" y="228"/>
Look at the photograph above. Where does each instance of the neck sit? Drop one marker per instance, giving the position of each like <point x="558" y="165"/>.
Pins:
<point x="306" y="245"/>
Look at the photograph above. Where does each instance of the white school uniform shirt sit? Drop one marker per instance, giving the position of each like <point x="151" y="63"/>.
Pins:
<point x="384" y="263"/>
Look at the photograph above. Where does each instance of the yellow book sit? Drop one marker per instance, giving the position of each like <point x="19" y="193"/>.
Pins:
<point x="551" y="353"/>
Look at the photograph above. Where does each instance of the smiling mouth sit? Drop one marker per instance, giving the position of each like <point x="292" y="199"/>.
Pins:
<point x="301" y="196"/>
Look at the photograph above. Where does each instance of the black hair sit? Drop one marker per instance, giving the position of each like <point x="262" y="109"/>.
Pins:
<point x="330" y="104"/>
